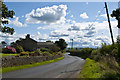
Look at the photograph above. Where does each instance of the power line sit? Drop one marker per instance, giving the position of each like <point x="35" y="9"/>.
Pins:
<point x="97" y="17"/>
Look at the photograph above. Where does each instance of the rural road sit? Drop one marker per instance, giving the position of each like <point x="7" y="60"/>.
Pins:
<point x="69" y="67"/>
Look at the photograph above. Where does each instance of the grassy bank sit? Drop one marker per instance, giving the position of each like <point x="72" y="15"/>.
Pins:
<point x="90" y="70"/>
<point x="29" y="65"/>
<point x="2" y="55"/>
<point x="93" y="69"/>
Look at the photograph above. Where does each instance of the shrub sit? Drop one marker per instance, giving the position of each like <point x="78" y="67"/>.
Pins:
<point x="36" y="53"/>
<point x="84" y="53"/>
<point x="94" y="52"/>
<point x="19" y="49"/>
<point x="106" y="49"/>
<point x="44" y="50"/>
<point x="46" y="54"/>
<point x="8" y="49"/>
<point x="55" y="48"/>
<point x="24" y="54"/>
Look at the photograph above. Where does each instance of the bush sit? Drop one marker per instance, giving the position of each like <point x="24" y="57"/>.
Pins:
<point x="24" y="54"/>
<point x="84" y="53"/>
<point x="106" y="49"/>
<point x="46" y="54"/>
<point x="8" y="49"/>
<point x="94" y="52"/>
<point x="19" y="49"/>
<point x="55" y="48"/>
<point x="36" y="53"/>
<point x="44" y="50"/>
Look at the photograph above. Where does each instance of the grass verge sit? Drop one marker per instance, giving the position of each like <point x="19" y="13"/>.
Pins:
<point x="93" y="69"/>
<point x="8" y="69"/>
<point x="2" y="54"/>
<point x="90" y="70"/>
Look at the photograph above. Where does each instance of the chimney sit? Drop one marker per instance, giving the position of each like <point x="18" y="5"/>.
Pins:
<point x="28" y="36"/>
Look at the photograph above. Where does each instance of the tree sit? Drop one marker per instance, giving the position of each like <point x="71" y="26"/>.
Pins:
<point x="49" y="41"/>
<point x="116" y="13"/>
<point x="19" y="49"/>
<point x="3" y="43"/>
<point x="5" y="14"/>
<point x="61" y="44"/>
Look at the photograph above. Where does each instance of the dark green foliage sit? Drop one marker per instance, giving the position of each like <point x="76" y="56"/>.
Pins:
<point x="61" y="44"/>
<point x="118" y="45"/>
<point x="46" y="54"/>
<point x="116" y="14"/>
<point x="3" y="42"/>
<point x="35" y="53"/>
<point x="44" y="50"/>
<point x="19" y="49"/>
<point x="6" y="14"/>
<point x="49" y="41"/>
<point x="7" y="30"/>
<point x="106" y="49"/>
<point x="55" y="48"/>
<point x="24" y="54"/>
<point x="84" y="53"/>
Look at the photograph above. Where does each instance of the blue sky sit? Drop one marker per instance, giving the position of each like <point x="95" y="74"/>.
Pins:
<point x="51" y="21"/>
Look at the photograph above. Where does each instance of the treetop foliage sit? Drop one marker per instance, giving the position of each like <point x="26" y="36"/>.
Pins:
<point x="6" y="14"/>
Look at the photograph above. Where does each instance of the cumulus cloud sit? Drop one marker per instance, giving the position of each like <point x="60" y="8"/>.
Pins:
<point x="90" y="33"/>
<point x="104" y="39"/>
<point x="10" y="38"/>
<point x="87" y="3"/>
<point x="84" y="15"/>
<point x="71" y="16"/>
<point x="104" y="15"/>
<point x="47" y="15"/>
<point x="57" y="33"/>
<point x="16" y="22"/>
<point x="74" y="28"/>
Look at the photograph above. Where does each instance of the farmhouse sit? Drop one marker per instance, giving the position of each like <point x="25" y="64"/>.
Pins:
<point x="29" y="44"/>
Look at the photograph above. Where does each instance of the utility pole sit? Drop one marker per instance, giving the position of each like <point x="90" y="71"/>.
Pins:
<point x="119" y="20"/>
<point x="72" y="44"/>
<point x="109" y="23"/>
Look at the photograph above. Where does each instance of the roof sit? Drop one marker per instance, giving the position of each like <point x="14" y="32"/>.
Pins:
<point x="33" y="40"/>
<point x="45" y="43"/>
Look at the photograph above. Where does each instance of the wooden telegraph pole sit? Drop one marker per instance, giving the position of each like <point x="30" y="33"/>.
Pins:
<point x="72" y="44"/>
<point x="109" y="23"/>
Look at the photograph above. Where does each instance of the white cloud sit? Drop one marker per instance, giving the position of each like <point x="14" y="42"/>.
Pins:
<point x="99" y="11"/>
<point x="47" y="15"/>
<point x="104" y="39"/>
<point x="57" y="33"/>
<point x="42" y="27"/>
<point x="10" y="38"/>
<point x="38" y="33"/>
<point x="84" y="15"/>
<point x="90" y="33"/>
<point x="16" y="22"/>
<point x="71" y="16"/>
<point x="83" y="34"/>
<point x="87" y="3"/>
<point x="23" y="16"/>
<point x="76" y="28"/>
<point x="104" y="15"/>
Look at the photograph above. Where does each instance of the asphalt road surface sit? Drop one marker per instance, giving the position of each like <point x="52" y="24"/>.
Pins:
<point x="69" y="67"/>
